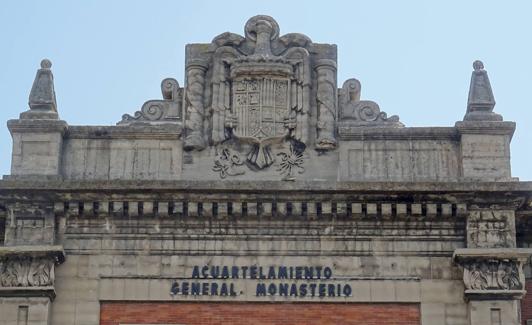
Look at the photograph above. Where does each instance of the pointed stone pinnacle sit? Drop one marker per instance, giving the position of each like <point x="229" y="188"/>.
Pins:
<point x="480" y="102"/>
<point x="42" y="100"/>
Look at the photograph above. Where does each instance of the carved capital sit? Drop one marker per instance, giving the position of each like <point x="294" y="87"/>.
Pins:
<point x="493" y="273"/>
<point x="29" y="271"/>
<point x="26" y="271"/>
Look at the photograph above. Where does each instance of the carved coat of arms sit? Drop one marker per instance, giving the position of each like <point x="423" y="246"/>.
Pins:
<point x="258" y="98"/>
<point x="261" y="96"/>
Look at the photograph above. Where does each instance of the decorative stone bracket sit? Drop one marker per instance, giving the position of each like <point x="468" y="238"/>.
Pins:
<point x="495" y="273"/>
<point x="29" y="271"/>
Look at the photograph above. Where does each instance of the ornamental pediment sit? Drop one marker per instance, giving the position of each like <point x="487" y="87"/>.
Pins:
<point x="264" y="106"/>
<point x="261" y="98"/>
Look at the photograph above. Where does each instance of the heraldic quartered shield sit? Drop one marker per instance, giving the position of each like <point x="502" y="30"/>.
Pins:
<point x="261" y="105"/>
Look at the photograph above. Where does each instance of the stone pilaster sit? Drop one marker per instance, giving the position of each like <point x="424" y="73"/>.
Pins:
<point x="485" y="149"/>
<point x="493" y="276"/>
<point x="485" y="137"/>
<point x="38" y="134"/>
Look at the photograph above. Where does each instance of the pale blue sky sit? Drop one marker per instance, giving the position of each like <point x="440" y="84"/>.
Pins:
<point x="413" y="57"/>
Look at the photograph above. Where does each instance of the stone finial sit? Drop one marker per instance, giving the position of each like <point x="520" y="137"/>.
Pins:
<point x="481" y="102"/>
<point x="42" y="95"/>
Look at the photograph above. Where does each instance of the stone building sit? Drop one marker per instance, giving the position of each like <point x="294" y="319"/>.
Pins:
<point x="263" y="192"/>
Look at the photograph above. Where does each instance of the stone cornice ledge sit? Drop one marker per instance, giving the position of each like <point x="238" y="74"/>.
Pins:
<point x="346" y="131"/>
<point x="8" y="185"/>
<point x="46" y="126"/>
<point x="462" y="254"/>
<point x="48" y="291"/>
<point x="135" y="131"/>
<point x="55" y="251"/>
<point x="486" y="127"/>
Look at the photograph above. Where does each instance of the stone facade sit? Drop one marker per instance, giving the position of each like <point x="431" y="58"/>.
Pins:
<point x="262" y="192"/>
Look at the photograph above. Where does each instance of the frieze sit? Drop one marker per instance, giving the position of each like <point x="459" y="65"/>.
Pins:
<point x="289" y="208"/>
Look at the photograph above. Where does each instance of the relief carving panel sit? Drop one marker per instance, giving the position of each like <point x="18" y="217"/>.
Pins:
<point x="493" y="274"/>
<point x="26" y="271"/>
<point x="254" y="95"/>
<point x="491" y="229"/>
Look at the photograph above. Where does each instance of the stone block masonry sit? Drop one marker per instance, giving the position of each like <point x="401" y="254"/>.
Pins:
<point x="262" y="190"/>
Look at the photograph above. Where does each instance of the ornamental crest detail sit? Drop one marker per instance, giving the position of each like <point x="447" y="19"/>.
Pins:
<point x="260" y="92"/>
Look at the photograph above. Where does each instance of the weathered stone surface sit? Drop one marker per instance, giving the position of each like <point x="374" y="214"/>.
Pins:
<point x="495" y="273"/>
<point x="354" y="112"/>
<point x="42" y="100"/>
<point x="262" y="165"/>
<point x="167" y="110"/>
<point x="480" y="102"/>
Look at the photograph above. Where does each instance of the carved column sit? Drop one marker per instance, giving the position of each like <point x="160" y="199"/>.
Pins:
<point x="327" y="100"/>
<point x="492" y="266"/>
<point x="195" y="138"/>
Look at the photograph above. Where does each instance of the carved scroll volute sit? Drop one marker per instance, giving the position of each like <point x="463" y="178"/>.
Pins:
<point x="300" y="91"/>
<point x="158" y="111"/>
<point x="327" y="98"/>
<point x="358" y="112"/>
<point x="170" y="90"/>
<point x="195" y="138"/>
<point x="350" y="93"/>
<point x="221" y="91"/>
